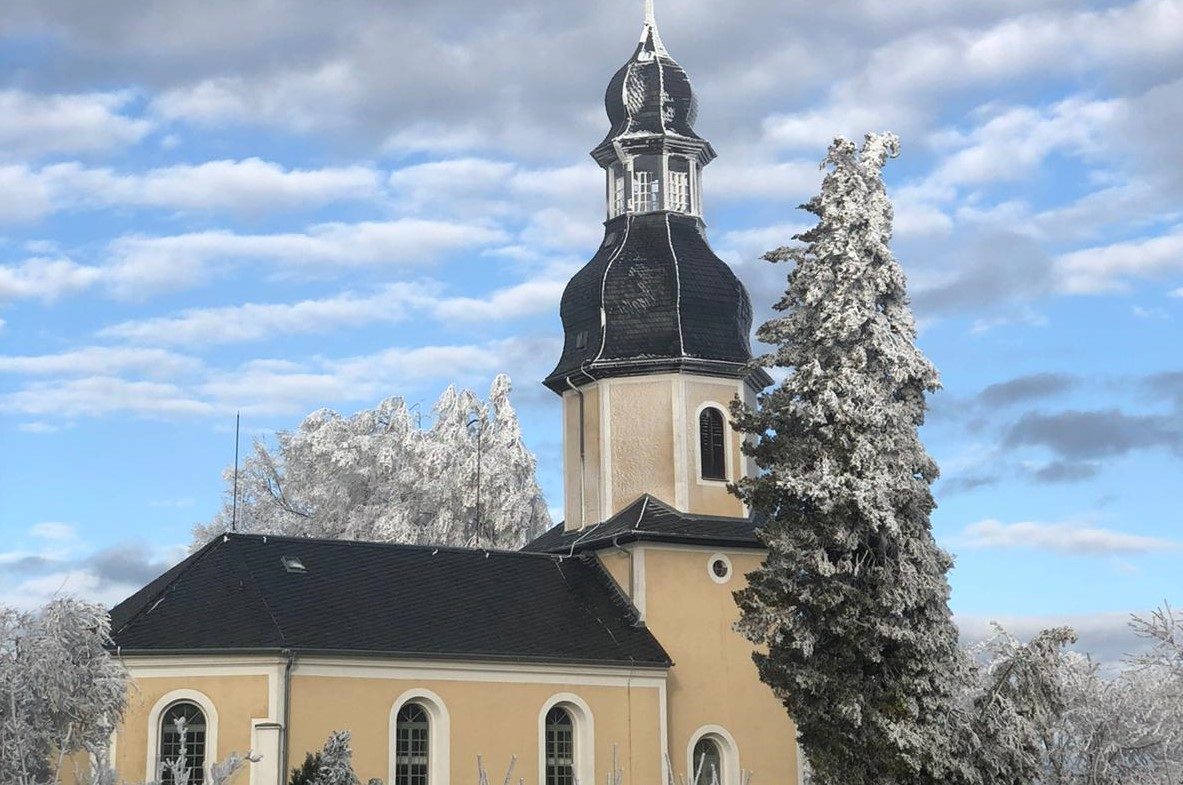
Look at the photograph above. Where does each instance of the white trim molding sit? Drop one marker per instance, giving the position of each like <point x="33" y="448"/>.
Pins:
<point x="727" y="748"/>
<point x="585" y="735"/>
<point x="203" y="702"/>
<point x="439" y="754"/>
<point x="714" y="557"/>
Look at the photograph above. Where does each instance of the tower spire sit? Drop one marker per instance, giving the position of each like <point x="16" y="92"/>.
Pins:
<point x="649" y="31"/>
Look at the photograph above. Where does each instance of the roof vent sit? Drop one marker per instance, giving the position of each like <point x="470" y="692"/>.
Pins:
<point x="293" y="564"/>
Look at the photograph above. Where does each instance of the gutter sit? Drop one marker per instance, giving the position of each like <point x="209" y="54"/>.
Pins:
<point x="284" y="733"/>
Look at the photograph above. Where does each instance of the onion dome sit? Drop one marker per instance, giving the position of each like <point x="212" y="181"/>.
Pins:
<point x="651" y="93"/>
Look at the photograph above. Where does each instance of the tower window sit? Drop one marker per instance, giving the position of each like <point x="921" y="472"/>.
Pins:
<point x="617" y="193"/>
<point x="182" y="731"/>
<point x="645" y="192"/>
<point x="712" y="444"/>
<point x="560" y="747"/>
<point x="679" y="192"/>
<point x="411" y="745"/>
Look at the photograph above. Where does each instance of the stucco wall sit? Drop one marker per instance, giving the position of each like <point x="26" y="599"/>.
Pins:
<point x="642" y="435"/>
<point x="713" y="681"/>
<point x="491" y="719"/>
<point x="237" y="699"/>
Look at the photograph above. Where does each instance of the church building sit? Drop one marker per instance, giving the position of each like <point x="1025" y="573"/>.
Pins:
<point x="609" y="638"/>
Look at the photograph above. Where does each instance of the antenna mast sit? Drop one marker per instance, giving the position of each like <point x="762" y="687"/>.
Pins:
<point x="234" y="503"/>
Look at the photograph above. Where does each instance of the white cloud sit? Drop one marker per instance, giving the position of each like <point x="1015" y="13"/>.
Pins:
<point x="256" y="321"/>
<point x="45" y="279"/>
<point x="1108" y="267"/>
<point x="99" y="395"/>
<point x="57" y="532"/>
<point x="36" y="125"/>
<point x="1059" y="537"/>
<point x="99" y="360"/>
<point x="145" y="264"/>
<point x="248" y="186"/>
<point x="525" y="298"/>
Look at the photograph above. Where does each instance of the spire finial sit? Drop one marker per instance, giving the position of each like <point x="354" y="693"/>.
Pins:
<point x="650" y="28"/>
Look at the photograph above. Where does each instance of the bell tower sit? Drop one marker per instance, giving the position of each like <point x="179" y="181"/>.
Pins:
<point x="655" y="326"/>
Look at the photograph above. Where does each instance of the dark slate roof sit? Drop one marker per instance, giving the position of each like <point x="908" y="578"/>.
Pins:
<point x="649" y="519"/>
<point x="385" y="600"/>
<point x="650" y="94"/>
<point x="668" y="303"/>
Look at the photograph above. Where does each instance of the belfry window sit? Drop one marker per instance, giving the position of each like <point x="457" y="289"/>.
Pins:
<point x="646" y="189"/>
<point x="560" y="747"/>
<point x="412" y="736"/>
<point x="182" y="729"/>
<point x="618" y="205"/>
<point x="679" y="192"/>
<point x="712" y="444"/>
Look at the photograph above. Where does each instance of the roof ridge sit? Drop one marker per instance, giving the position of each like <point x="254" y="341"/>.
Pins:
<point x="283" y="642"/>
<point x="378" y="543"/>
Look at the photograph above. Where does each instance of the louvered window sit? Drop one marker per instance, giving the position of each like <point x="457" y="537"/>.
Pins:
<point x="411" y="745"/>
<point x="560" y="747"/>
<point x="617" y="193"/>
<point x="182" y="730"/>
<point x="711" y="440"/>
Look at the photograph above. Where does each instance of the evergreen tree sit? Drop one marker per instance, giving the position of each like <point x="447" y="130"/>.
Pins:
<point x="305" y="774"/>
<point x="851" y="602"/>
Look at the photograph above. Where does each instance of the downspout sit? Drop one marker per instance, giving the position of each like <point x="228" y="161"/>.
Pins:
<point x="284" y="745"/>
<point x="582" y="458"/>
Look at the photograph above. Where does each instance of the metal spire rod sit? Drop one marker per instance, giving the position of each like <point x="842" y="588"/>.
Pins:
<point x="650" y="18"/>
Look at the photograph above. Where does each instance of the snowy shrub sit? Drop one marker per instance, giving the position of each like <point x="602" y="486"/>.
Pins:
<point x="379" y="476"/>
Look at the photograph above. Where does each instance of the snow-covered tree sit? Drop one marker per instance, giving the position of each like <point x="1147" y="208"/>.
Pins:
<point x="61" y="693"/>
<point x="467" y="480"/>
<point x="336" y="761"/>
<point x="1088" y="726"/>
<point x="852" y="601"/>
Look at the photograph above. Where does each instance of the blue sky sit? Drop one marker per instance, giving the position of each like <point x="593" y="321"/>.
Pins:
<point x="237" y="206"/>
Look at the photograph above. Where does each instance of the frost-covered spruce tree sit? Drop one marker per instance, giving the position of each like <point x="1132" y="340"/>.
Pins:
<point x="379" y="476"/>
<point x="851" y="602"/>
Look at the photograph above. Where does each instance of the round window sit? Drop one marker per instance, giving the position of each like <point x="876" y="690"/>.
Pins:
<point x="719" y="568"/>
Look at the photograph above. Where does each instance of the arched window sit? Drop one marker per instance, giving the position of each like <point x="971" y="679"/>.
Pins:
<point x="182" y="730"/>
<point x="708" y="762"/>
<point x="412" y="745"/>
<point x="711" y="441"/>
<point x="560" y="747"/>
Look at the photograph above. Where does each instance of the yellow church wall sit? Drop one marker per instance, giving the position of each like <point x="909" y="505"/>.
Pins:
<point x="642" y="440"/>
<point x="714" y="681"/>
<point x="493" y="719"/>
<point x="237" y="699"/>
<point x="642" y="435"/>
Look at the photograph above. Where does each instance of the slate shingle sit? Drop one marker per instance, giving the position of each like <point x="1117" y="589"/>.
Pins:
<point x="385" y="599"/>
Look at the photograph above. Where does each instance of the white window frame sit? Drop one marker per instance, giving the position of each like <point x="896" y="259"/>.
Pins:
<point x="584" y="732"/>
<point x="727" y="748"/>
<point x="645" y="199"/>
<point x="618" y="193"/>
<point x="199" y="699"/>
<point x="711" y="568"/>
<point x="439" y="733"/>
<point x="678" y="192"/>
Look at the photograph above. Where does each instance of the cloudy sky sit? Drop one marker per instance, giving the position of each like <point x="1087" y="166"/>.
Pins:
<point x="272" y="207"/>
